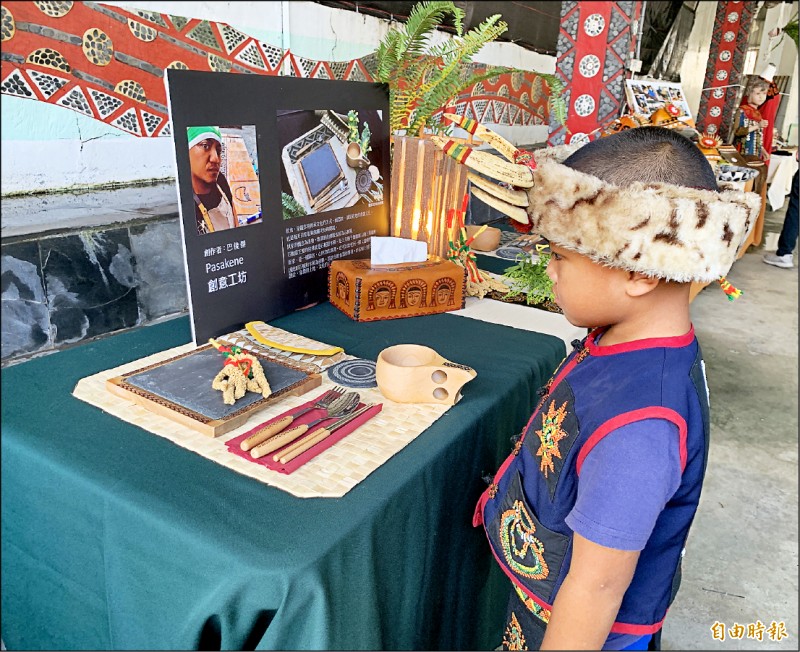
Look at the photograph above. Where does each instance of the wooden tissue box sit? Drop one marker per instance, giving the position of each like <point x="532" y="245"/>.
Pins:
<point x="368" y="293"/>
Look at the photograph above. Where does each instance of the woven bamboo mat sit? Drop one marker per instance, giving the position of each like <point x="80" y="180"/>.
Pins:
<point x="330" y="474"/>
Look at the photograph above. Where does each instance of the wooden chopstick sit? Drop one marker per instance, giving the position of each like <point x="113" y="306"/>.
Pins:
<point x="300" y="448"/>
<point x="294" y="445"/>
<point x="329" y="196"/>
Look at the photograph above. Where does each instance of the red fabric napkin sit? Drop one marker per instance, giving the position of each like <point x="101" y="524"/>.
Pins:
<point x="308" y="417"/>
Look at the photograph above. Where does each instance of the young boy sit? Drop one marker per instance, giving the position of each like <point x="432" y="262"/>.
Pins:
<point x="589" y="515"/>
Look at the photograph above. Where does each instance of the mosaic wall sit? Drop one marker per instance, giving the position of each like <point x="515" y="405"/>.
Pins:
<point x="724" y="68"/>
<point x="108" y="63"/>
<point x="518" y="98"/>
<point x="594" y="44"/>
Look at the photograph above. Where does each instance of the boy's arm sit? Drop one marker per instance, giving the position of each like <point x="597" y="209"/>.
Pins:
<point x="588" y="601"/>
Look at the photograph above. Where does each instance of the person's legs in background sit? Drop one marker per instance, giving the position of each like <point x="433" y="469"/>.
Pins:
<point x="788" y="237"/>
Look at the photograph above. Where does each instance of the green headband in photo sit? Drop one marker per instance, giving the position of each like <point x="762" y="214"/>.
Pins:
<point x="196" y="134"/>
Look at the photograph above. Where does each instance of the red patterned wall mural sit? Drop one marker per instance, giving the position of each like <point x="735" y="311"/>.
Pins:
<point x="724" y="68"/>
<point x="594" y="45"/>
<point x="108" y="64"/>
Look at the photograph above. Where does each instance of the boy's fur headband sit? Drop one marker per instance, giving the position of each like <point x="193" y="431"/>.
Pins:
<point x="659" y="229"/>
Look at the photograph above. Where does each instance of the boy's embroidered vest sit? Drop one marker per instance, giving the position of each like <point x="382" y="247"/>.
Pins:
<point x="594" y="391"/>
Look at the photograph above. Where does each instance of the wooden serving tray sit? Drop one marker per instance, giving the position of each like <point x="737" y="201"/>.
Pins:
<point x="179" y="388"/>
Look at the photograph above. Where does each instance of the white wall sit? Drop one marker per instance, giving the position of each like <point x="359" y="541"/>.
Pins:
<point x="47" y="148"/>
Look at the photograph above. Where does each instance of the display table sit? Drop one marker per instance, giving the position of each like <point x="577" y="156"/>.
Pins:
<point x="115" y="538"/>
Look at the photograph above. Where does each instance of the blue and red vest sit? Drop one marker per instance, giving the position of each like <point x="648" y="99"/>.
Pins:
<point x="595" y="391"/>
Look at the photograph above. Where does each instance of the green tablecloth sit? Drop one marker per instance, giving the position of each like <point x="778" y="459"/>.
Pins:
<point x="115" y="538"/>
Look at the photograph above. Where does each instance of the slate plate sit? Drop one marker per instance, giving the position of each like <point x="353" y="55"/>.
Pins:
<point x="320" y="169"/>
<point x="180" y="388"/>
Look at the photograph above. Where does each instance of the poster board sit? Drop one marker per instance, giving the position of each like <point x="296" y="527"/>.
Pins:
<point x="646" y="95"/>
<point x="284" y="193"/>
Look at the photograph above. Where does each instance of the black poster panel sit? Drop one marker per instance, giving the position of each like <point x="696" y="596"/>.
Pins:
<point x="277" y="177"/>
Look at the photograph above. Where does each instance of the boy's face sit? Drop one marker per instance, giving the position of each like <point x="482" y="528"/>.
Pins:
<point x="589" y="294"/>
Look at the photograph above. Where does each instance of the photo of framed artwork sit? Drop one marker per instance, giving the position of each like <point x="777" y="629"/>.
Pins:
<point x="328" y="160"/>
<point x="646" y="95"/>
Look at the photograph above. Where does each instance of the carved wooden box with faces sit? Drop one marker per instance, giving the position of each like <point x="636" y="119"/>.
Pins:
<point x="368" y="292"/>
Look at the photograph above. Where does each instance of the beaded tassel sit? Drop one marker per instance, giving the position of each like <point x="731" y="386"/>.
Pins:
<point x="729" y="289"/>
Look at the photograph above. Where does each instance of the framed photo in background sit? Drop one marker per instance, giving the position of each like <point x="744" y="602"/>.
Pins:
<point x="646" y="95"/>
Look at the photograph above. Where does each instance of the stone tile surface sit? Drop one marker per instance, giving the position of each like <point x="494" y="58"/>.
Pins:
<point x="90" y="283"/>
<point x="158" y="250"/>
<point x="33" y="214"/>
<point x="24" y="312"/>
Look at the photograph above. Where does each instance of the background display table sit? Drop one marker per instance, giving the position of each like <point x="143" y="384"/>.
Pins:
<point x="115" y="538"/>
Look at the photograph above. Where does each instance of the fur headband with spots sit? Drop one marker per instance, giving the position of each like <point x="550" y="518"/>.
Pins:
<point x="663" y="230"/>
<point x="659" y="229"/>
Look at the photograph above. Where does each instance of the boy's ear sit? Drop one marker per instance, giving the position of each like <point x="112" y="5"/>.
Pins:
<point x="639" y="284"/>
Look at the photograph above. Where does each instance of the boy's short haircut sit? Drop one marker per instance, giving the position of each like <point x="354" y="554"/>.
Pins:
<point x="647" y="155"/>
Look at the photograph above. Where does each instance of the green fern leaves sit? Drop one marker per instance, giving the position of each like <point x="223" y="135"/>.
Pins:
<point x="423" y="77"/>
<point x="791" y="29"/>
<point x="291" y="207"/>
<point x="530" y="278"/>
